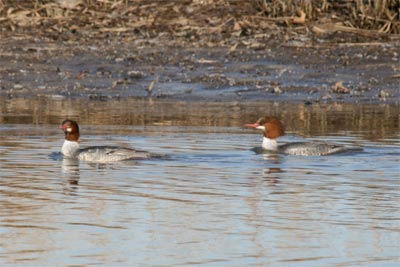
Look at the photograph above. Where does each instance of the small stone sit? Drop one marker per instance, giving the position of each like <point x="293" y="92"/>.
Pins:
<point x="383" y="94"/>
<point x="277" y="90"/>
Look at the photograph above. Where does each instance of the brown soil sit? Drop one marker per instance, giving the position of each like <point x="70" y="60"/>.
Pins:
<point x="193" y="50"/>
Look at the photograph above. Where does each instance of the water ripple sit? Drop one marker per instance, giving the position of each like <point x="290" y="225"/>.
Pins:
<point x="213" y="202"/>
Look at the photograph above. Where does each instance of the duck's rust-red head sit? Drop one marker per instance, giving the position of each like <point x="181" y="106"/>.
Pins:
<point x="71" y="129"/>
<point x="270" y="125"/>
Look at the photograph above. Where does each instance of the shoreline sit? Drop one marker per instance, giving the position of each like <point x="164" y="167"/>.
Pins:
<point x="356" y="74"/>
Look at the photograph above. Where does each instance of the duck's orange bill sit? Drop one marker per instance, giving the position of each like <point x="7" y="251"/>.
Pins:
<point x="252" y="125"/>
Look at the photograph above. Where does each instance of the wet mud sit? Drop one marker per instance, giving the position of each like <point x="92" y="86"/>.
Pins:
<point x="201" y="50"/>
<point x="114" y="69"/>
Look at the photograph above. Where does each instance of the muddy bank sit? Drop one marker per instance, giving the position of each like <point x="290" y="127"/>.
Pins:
<point x="108" y="69"/>
<point x="199" y="50"/>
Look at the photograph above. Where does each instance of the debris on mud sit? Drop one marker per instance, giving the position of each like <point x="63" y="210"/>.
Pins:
<point x="339" y="88"/>
<point x="201" y="22"/>
<point x="201" y="49"/>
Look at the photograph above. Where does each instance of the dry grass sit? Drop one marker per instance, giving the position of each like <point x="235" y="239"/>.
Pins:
<point x="381" y="16"/>
<point x="199" y="19"/>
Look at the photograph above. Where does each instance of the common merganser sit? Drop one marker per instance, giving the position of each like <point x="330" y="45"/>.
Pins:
<point x="273" y="128"/>
<point x="70" y="148"/>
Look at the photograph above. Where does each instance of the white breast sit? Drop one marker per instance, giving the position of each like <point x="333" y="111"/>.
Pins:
<point x="70" y="149"/>
<point x="269" y="144"/>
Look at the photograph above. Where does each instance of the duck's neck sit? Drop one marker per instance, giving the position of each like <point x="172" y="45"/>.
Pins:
<point x="269" y="144"/>
<point x="70" y="149"/>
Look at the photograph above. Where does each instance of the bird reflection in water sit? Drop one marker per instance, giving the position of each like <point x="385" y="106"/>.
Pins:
<point x="70" y="169"/>
<point x="271" y="174"/>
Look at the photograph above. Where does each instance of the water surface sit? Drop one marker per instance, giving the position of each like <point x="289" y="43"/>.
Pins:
<point x="212" y="202"/>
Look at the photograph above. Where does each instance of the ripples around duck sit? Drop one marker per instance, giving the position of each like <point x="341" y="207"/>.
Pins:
<point x="212" y="202"/>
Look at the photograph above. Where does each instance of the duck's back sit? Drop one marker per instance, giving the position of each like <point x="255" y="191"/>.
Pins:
<point x="311" y="149"/>
<point x="111" y="154"/>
